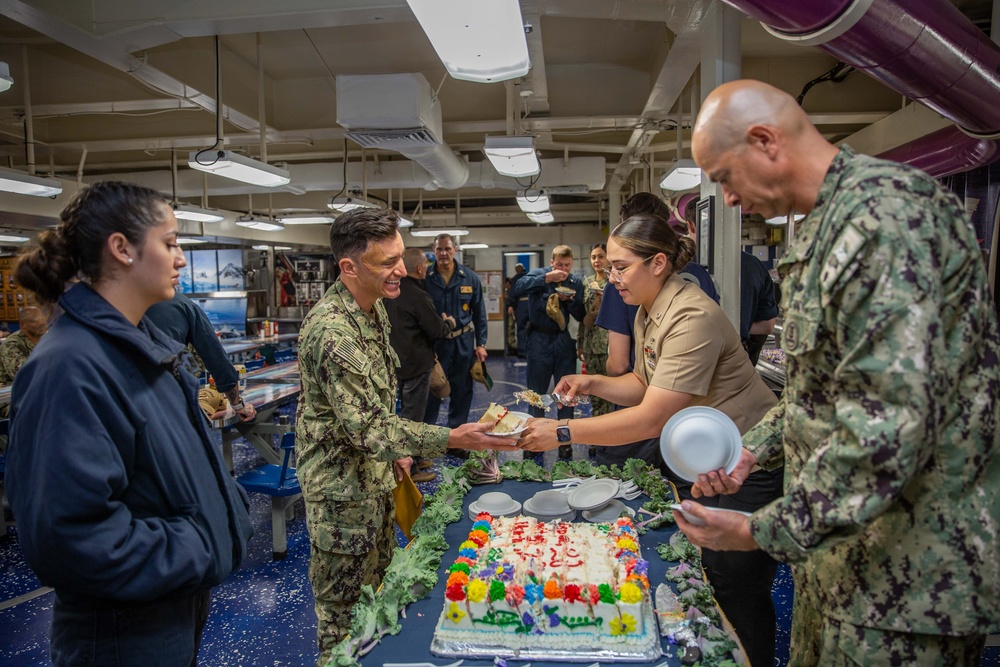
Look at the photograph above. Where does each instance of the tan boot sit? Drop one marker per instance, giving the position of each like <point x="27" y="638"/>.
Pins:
<point x="423" y="476"/>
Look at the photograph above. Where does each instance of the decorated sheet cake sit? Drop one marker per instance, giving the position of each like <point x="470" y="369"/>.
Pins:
<point x="559" y="591"/>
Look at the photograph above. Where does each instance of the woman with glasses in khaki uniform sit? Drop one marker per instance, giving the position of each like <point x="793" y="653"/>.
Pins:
<point x="687" y="353"/>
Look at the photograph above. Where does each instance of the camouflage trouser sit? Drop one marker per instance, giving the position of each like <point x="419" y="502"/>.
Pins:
<point x="351" y="545"/>
<point x="597" y="364"/>
<point x="821" y="641"/>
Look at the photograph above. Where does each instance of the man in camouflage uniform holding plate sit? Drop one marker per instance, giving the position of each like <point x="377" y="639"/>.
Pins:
<point x="351" y="445"/>
<point x="888" y="426"/>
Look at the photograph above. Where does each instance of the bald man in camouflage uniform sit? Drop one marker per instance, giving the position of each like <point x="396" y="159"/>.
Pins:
<point x="350" y="443"/>
<point x="889" y="421"/>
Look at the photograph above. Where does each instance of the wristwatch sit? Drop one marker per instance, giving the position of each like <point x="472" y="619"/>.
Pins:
<point x="562" y="433"/>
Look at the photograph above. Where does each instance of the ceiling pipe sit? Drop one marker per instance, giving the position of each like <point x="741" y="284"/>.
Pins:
<point x="925" y="49"/>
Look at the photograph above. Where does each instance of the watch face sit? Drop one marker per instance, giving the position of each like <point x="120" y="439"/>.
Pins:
<point x="562" y="433"/>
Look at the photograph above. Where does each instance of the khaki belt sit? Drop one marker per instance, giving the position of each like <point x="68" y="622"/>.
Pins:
<point x="458" y="332"/>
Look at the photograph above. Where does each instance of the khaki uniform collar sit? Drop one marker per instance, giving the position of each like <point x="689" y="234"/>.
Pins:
<point x="661" y="305"/>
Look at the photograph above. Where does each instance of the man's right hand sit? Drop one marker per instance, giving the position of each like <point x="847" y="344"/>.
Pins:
<point x="556" y="276"/>
<point x="449" y="319"/>
<point x="718" y="482"/>
<point x="473" y="436"/>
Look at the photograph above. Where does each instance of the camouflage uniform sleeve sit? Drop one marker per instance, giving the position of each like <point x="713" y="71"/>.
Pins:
<point x="353" y="394"/>
<point x="879" y="301"/>
<point x="764" y="440"/>
<point x="13" y="353"/>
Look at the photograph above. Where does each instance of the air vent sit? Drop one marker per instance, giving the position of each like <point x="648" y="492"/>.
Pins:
<point x="393" y="139"/>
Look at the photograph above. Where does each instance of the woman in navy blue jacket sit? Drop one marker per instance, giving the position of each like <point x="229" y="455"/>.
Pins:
<point x="123" y="503"/>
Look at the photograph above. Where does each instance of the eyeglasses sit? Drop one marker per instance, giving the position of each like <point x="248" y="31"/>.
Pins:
<point x="616" y="274"/>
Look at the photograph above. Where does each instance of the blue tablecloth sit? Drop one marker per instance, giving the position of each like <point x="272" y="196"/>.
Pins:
<point x="412" y="644"/>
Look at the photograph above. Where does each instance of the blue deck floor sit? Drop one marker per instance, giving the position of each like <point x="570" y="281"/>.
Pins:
<point x="263" y="614"/>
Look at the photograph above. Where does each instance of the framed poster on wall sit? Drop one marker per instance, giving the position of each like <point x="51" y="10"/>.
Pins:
<point x="492" y="293"/>
<point x="705" y="232"/>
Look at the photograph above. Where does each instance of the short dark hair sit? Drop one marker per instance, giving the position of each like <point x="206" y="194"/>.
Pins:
<point x="442" y="237"/>
<point x="352" y="232"/>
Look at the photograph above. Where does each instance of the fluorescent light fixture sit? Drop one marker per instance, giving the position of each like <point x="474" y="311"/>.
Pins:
<point x="260" y="247"/>
<point x="345" y="204"/>
<point x="683" y="174"/>
<point x="533" y="201"/>
<point x="10" y="238"/>
<point x="474" y="246"/>
<point x="435" y="232"/>
<point x="307" y="219"/>
<point x="544" y="216"/>
<point x="260" y="224"/>
<point x="196" y="213"/>
<point x="184" y="240"/>
<point x="782" y="219"/>
<point x="6" y="80"/>
<point x="476" y="40"/>
<point x="513" y="156"/>
<point x="26" y="184"/>
<point x="238" y="167"/>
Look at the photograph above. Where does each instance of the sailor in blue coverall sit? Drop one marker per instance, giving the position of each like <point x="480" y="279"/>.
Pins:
<point x="457" y="291"/>
<point x="551" y="350"/>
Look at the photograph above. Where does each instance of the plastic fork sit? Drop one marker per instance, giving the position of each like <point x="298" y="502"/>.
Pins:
<point x="573" y="481"/>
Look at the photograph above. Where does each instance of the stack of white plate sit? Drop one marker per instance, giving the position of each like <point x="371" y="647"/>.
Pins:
<point x="596" y="499"/>
<point x="549" y="506"/>
<point x="496" y="503"/>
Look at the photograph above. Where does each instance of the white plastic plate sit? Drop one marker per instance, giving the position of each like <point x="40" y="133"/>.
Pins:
<point x="698" y="440"/>
<point x="523" y="416"/>
<point x="608" y="513"/>
<point x="593" y="494"/>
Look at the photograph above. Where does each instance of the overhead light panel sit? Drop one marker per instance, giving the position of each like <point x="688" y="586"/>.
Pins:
<point x="185" y="240"/>
<point x="404" y="223"/>
<point x="307" y="219"/>
<point x="474" y="246"/>
<point x="196" y="213"/>
<point x="683" y="174"/>
<point x="513" y="156"/>
<point x="27" y="184"/>
<point x="435" y="232"/>
<point x="544" y="216"/>
<point x="345" y="204"/>
<point x="533" y="201"/>
<point x="476" y="40"/>
<point x="238" y="167"/>
<point x="10" y="238"/>
<point x="260" y="224"/>
<point x="6" y="80"/>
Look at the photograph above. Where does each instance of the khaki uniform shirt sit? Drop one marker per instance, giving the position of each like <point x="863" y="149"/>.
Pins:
<point x="347" y="433"/>
<point x="687" y="344"/>
<point x="890" y="420"/>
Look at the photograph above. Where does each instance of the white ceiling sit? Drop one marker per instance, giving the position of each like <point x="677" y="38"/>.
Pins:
<point x="116" y="86"/>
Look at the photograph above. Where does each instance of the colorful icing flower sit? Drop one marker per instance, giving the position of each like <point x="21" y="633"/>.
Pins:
<point x="630" y="593"/>
<point x="482" y="525"/>
<point x="639" y="579"/>
<point x="476" y="590"/>
<point x="571" y="593"/>
<point x="469" y="562"/>
<point x="593" y="594"/>
<point x="497" y="590"/>
<point x="552" y="613"/>
<point x="533" y="593"/>
<point x="485" y="516"/>
<point x="455" y="592"/>
<point x="459" y="567"/>
<point x="460" y="578"/>
<point x="624" y="521"/>
<point x="623" y="626"/>
<point x="528" y="620"/>
<point x="505" y="572"/>
<point x="641" y="566"/>
<point x="467" y="553"/>
<point x="468" y="544"/>
<point x="455" y="612"/>
<point x="607" y="595"/>
<point x="625" y="554"/>
<point x="552" y="591"/>
<point x="515" y="595"/>
<point x="479" y="538"/>
<point x="627" y="543"/>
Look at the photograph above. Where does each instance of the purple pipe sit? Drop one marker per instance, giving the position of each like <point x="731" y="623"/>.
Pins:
<point x="925" y="49"/>
<point x="945" y="152"/>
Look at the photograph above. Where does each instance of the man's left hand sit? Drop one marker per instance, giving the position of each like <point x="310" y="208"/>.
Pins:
<point x="481" y="353"/>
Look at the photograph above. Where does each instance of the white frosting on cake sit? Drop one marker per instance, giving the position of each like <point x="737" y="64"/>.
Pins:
<point x="522" y="583"/>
